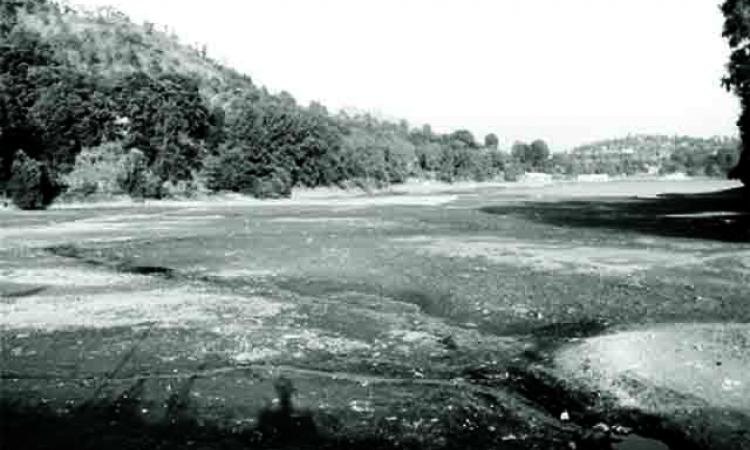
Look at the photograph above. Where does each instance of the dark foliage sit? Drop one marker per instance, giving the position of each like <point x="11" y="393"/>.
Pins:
<point x="491" y="141"/>
<point x="713" y="157"/>
<point x="534" y="156"/>
<point x="247" y="170"/>
<point x="65" y="87"/>
<point x="30" y="186"/>
<point x="167" y="120"/>
<point x="137" y="179"/>
<point x="22" y="55"/>
<point x="737" y="32"/>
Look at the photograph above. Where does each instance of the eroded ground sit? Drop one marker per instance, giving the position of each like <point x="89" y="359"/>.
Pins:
<point x="412" y="319"/>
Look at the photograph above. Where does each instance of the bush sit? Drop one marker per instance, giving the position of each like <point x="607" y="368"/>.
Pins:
<point x="135" y="178"/>
<point x="30" y="186"/>
<point x="225" y="171"/>
<point x="96" y="170"/>
<point x="276" y="185"/>
<point x="184" y="188"/>
<point x="234" y="169"/>
<point x="513" y="172"/>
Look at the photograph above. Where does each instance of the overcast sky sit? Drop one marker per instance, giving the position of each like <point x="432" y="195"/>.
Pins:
<point x="566" y="71"/>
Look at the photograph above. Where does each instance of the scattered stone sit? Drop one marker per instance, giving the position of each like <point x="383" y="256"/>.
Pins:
<point x="603" y="427"/>
<point x="449" y="342"/>
<point x="621" y="430"/>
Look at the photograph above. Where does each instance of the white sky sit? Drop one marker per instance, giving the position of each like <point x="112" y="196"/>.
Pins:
<point x="566" y="71"/>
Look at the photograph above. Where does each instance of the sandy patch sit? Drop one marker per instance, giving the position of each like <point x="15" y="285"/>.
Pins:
<point x="272" y="343"/>
<point x="69" y="277"/>
<point x="196" y="218"/>
<point x="710" y="362"/>
<point x="93" y="228"/>
<point x="314" y="340"/>
<point x="385" y="200"/>
<point x="329" y="197"/>
<point x="552" y="256"/>
<point x="413" y="337"/>
<point x="162" y="307"/>
<point x="243" y="273"/>
<point x="708" y="214"/>
<point x="84" y="230"/>
<point x="255" y="355"/>
<point x="681" y="244"/>
<point x="350" y="221"/>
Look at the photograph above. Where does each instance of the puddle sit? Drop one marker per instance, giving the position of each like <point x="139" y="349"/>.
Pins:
<point x="635" y="442"/>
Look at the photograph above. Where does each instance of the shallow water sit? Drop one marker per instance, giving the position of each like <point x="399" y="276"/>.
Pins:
<point x="635" y="442"/>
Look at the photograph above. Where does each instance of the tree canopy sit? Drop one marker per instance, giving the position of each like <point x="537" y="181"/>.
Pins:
<point x="737" y="32"/>
<point x="87" y="93"/>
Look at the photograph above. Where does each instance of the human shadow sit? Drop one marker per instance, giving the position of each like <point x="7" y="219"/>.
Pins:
<point x="118" y="423"/>
<point x="721" y="216"/>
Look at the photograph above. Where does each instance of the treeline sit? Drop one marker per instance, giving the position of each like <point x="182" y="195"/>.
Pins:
<point x="737" y="32"/>
<point x="93" y="104"/>
<point x="139" y="115"/>
<point x="713" y="157"/>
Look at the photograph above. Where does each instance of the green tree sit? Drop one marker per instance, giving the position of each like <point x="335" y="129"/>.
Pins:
<point x="30" y="186"/>
<point x="538" y="153"/>
<point x="22" y="56"/>
<point x="238" y="169"/>
<point x="532" y="156"/>
<point x="96" y="170"/>
<point x="519" y="150"/>
<point x="70" y="112"/>
<point x="737" y="32"/>
<point x="491" y="141"/>
<point x="168" y="120"/>
<point x="136" y="178"/>
<point x="463" y="137"/>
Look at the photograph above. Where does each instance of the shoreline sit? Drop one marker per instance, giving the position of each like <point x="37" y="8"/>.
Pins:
<point x="412" y="192"/>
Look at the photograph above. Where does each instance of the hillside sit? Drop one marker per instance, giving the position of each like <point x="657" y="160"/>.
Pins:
<point x="92" y="103"/>
<point x="86" y="93"/>
<point x="106" y="42"/>
<point x="658" y="153"/>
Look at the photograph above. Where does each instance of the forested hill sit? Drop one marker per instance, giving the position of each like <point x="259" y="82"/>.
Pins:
<point x="92" y="103"/>
<point x="694" y="156"/>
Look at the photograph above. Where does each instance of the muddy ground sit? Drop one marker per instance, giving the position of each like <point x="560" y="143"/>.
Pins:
<point x="492" y="318"/>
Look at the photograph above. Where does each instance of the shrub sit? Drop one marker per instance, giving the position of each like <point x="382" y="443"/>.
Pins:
<point x="235" y="169"/>
<point x="30" y="186"/>
<point x="184" y="188"/>
<point x="96" y="170"/>
<point x="225" y="171"/>
<point x="513" y="172"/>
<point x="135" y="178"/>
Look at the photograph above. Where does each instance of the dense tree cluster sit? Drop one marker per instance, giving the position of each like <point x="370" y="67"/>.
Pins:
<point x="713" y="157"/>
<point x="91" y="103"/>
<point x="737" y="32"/>
<point x="86" y="94"/>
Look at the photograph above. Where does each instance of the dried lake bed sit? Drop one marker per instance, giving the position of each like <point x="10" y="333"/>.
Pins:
<point x="511" y="317"/>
